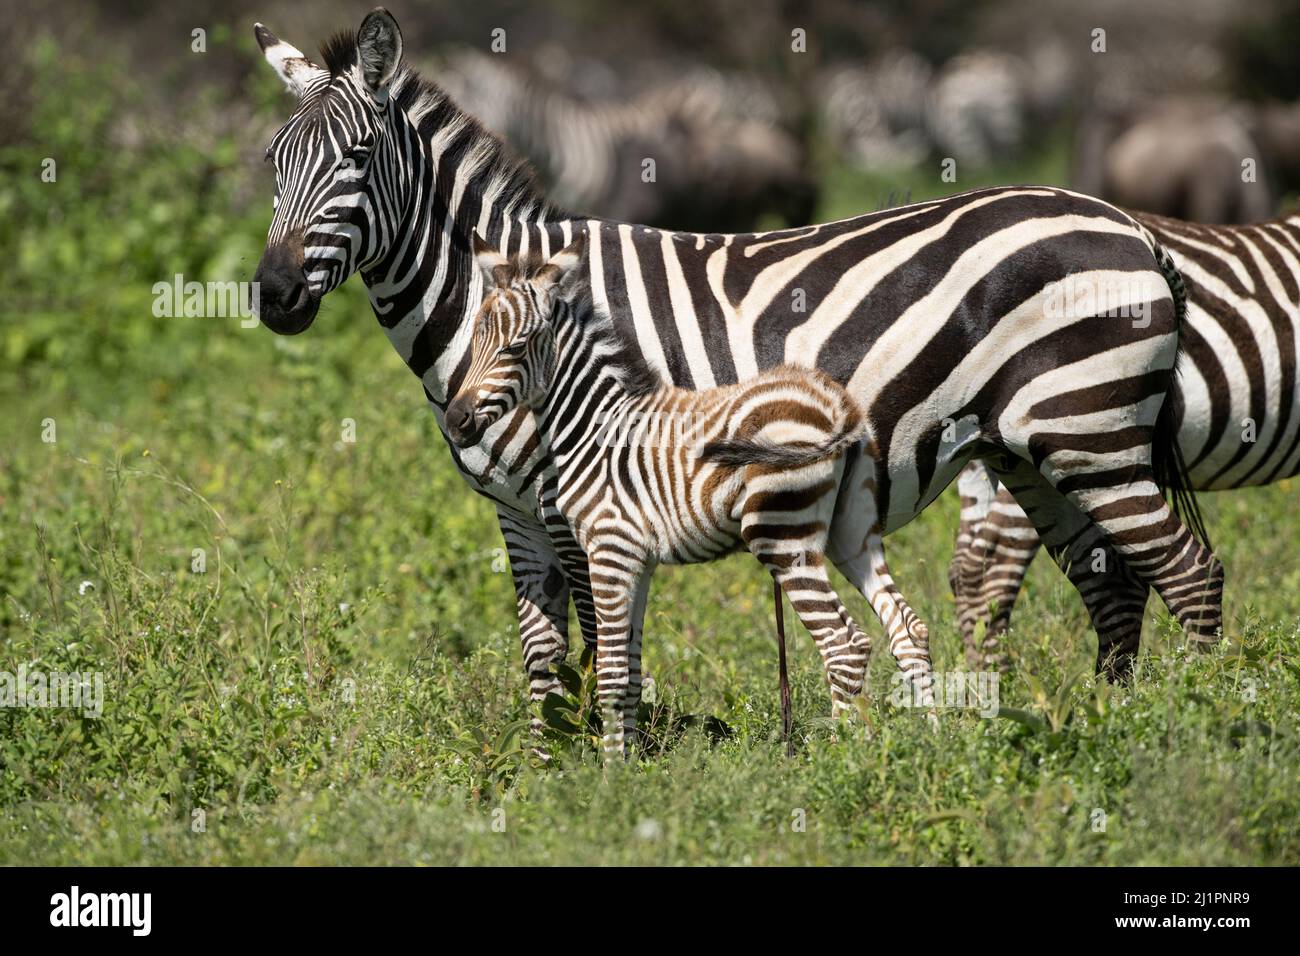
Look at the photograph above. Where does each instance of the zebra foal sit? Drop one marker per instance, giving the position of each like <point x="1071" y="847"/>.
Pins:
<point x="649" y="473"/>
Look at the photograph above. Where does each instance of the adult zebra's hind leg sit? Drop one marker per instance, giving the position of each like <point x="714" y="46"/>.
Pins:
<point x="1157" y="546"/>
<point x="1114" y="596"/>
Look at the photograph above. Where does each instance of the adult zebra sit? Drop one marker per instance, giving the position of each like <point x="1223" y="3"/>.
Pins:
<point x="1240" y="425"/>
<point x="932" y="315"/>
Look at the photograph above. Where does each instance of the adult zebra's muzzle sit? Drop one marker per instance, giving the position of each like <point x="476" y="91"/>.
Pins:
<point x="285" y="301"/>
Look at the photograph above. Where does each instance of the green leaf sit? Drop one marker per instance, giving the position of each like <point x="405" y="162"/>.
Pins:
<point x="568" y="677"/>
<point x="559" y="715"/>
<point x="1025" y="718"/>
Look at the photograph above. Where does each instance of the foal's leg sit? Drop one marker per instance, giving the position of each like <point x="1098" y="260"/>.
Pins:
<point x="843" y="647"/>
<point x="632" y="702"/>
<point x="542" y="599"/>
<point x="618" y="588"/>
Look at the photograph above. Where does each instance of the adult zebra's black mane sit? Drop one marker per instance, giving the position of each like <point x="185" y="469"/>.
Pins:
<point x="462" y="137"/>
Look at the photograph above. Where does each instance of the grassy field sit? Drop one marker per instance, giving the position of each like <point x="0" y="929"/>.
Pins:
<point x="306" y="643"/>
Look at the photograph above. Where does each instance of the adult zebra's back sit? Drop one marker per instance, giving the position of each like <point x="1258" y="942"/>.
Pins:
<point x="958" y="325"/>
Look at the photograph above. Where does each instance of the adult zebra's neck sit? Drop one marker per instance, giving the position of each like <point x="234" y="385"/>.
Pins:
<point x="458" y="179"/>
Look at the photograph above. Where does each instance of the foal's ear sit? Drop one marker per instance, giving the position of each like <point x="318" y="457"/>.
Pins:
<point x="287" y="60"/>
<point x="379" y="46"/>
<point x="561" y="267"/>
<point x="494" y="266"/>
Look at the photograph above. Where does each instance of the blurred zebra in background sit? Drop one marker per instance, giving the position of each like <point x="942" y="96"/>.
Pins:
<point x="875" y="115"/>
<point x="1240" y="423"/>
<point x="723" y="159"/>
<point x="977" y="108"/>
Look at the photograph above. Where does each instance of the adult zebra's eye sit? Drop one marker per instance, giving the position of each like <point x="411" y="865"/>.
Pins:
<point x="353" y="159"/>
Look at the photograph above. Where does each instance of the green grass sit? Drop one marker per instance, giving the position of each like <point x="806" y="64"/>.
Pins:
<point x="318" y="693"/>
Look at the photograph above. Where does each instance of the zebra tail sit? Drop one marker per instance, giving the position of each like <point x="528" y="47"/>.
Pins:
<point x="738" y="452"/>
<point x="1166" y="457"/>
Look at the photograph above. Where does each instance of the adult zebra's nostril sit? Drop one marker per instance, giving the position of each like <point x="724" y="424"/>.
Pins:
<point x="297" y="297"/>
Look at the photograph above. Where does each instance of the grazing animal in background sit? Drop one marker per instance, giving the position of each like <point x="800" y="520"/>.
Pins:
<point x="1176" y="157"/>
<point x="723" y="158"/>
<point x="979" y="107"/>
<point x="1240" y="423"/>
<point x="1199" y="159"/>
<point x="933" y="316"/>
<point x="875" y="114"/>
<point x="649" y="473"/>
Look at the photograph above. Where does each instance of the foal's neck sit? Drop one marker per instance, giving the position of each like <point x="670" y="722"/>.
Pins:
<point x="597" y="381"/>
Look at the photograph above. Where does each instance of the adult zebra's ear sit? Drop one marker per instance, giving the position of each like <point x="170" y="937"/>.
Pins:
<point x="494" y="266"/>
<point x="562" y="268"/>
<point x="379" y="43"/>
<point x="287" y="60"/>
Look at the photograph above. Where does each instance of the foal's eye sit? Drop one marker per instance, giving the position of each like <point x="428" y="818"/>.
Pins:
<point x="514" y="350"/>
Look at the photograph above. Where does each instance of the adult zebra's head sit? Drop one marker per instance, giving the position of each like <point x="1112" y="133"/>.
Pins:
<point x="512" y="349"/>
<point x="338" y="197"/>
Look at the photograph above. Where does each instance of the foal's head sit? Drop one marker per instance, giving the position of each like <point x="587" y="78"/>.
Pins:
<point x="513" y="346"/>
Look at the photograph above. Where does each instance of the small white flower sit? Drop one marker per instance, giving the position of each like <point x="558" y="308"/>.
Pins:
<point x="649" y="829"/>
<point x="85" y="586"/>
<point x="344" y="607"/>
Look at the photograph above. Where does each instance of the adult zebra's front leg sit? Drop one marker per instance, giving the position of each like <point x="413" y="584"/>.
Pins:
<point x="542" y="591"/>
<point x="995" y="544"/>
